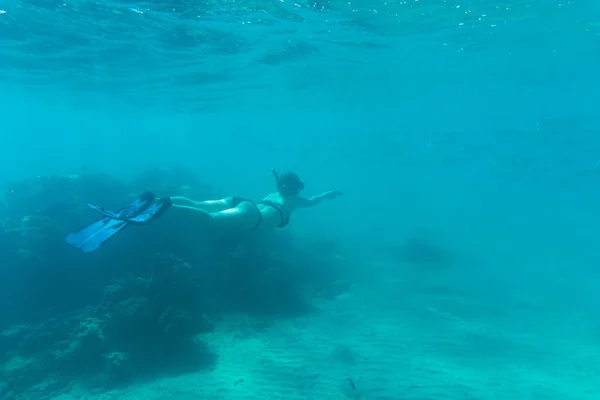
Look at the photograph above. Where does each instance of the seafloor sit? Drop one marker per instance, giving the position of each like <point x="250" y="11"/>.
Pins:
<point x="273" y="317"/>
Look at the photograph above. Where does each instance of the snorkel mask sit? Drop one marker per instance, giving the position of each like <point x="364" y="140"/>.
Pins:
<point x="288" y="184"/>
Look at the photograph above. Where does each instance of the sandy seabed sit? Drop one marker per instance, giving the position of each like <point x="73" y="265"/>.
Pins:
<point x="361" y="346"/>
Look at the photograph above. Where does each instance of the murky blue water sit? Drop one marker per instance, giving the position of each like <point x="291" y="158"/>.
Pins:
<point x="474" y="123"/>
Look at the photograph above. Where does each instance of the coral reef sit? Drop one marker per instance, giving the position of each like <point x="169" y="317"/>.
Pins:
<point x="142" y="327"/>
<point x="36" y="217"/>
<point x="262" y="282"/>
<point x="136" y="310"/>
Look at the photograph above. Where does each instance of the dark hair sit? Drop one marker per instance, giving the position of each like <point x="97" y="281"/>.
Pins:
<point x="290" y="184"/>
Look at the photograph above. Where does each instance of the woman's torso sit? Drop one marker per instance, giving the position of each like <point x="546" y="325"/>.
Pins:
<point x="275" y="210"/>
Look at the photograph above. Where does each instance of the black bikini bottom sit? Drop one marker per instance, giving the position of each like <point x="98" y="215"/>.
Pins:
<point x="284" y="215"/>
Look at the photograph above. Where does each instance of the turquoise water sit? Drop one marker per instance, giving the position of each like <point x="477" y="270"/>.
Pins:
<point x="475" y="124"/>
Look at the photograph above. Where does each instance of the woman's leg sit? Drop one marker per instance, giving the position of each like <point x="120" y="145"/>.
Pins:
<point x="242" y="218"/>
<point x="207" y="205"/>
<point x="193" y="215"/>
<point x="183" y="201"/>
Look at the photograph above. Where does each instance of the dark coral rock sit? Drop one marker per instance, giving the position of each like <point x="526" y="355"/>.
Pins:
<point x="37" y="215"/>
<point x="36" y="342"/>
<point x="114" y="293"/>
<point x="180" y="324"/>
<point x="21" y="374"/>
<point x="176" y="286"/>
<point x="11" y="338"/>
<point x="263" y="283"/>
<point x="143" y="324"/>
<point x="54" y="196"/>
<point x="132" y="320"/>
<point x="119" y="367"/>
<point x="82" y="353"/>
<point x="124" y="289"/>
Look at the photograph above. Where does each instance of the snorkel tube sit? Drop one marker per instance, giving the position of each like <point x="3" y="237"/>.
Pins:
<point x="277" y="180"/>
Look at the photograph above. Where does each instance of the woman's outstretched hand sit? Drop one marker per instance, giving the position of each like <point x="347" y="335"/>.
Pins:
<point x="332" y="194"/>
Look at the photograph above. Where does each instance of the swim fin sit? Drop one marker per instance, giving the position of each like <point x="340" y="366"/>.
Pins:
<point x="90" y="237"/>
<point x="154" y="208"/>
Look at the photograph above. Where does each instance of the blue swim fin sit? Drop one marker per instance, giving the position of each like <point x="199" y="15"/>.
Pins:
<point x="154" y="208"/>
<point x="90" y="237"/>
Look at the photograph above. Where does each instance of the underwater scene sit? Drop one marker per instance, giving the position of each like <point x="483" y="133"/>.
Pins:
<point x="294" y="199"/>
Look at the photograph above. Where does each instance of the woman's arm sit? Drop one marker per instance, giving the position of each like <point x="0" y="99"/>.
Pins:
<point x="314" y="200"/>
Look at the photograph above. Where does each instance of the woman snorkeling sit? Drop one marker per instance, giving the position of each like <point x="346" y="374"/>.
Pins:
<point x="229" y="215"/>
<point x="236" y="214"/>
